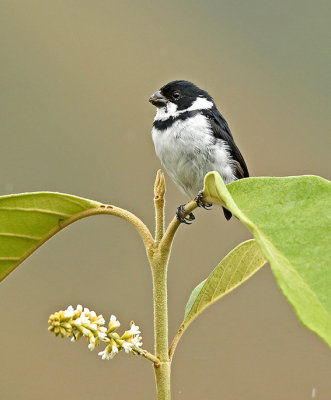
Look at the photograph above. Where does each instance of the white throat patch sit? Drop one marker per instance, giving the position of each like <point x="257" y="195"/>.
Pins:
<point x="163" y="113"/>
<point x="170" y="110"/>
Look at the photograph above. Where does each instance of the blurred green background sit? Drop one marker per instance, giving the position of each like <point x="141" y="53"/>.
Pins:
<point x="75" y="80"/>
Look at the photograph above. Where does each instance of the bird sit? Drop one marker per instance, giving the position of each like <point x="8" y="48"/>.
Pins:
<point x="191" y="138"/>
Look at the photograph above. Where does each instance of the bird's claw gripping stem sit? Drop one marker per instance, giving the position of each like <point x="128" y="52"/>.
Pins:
<point x="185" y="220"/>
<point x="201" y="203"/>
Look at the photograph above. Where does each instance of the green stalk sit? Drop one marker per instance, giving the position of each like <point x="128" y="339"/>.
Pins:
<point x="162" y="377"/>
<point x="158" y="258"/>
<point x="159" y="268"/>
<point x="159" y="264"/>
<point x="158" y="255"/>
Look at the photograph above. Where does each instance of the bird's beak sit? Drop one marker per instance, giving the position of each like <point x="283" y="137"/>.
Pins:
<point x="158" y="100"/>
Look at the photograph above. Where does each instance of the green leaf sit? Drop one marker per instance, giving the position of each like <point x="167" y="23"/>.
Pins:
<point x="27" y="220"/>
<point x="241" y="263"/>
<point x="193" y="297"/>
<point x="290" y="219"/>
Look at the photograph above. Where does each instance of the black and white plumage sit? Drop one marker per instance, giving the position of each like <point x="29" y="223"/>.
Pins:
<point x="192" y="138"/>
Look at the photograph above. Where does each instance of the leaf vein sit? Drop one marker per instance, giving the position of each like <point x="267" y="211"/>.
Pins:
<point x="43" y="211"/>
<point x="17" y="235"/>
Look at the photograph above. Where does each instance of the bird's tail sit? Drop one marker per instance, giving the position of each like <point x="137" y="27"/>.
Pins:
<point x="227" y="213"/>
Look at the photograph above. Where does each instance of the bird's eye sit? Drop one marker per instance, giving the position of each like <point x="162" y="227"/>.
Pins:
<point x="176" y="95"/>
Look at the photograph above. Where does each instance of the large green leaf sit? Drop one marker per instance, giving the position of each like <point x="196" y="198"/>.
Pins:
<point x="290" y="218"/>
<point x="241" y="263"/>
<point x="27" y="220"/>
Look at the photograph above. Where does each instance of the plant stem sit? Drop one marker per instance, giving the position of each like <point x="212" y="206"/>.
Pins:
<point x="98" y="210"/>
<point x="159" y="263"/>
<point x="169" y="234"/>
<point x="162" y="377"/>
<point x="175" y="341"/>
<point x="158" y="257"/>
<point x="147" y="355"/>
<point x="159" y="269"/>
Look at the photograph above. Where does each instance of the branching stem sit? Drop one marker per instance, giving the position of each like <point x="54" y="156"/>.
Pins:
<point x="158" y="251"/>
<point x="169" y="234"/>
<point x="99" y="209"/>
<point x="175" y="341"/>
<point x="142" y="352"/>
<point x="147" y="355"/>
<point x="158" y="257"/>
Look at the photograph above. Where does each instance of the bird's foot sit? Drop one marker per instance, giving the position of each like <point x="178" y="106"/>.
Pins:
<point x="180" y="215"/>
<point x="201" y="203"/>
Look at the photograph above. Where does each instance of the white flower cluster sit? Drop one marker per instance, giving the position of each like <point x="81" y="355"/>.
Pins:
<point x="83" y="322"/>
<point x="130" y="341"/>
<point x="77" y="323"/>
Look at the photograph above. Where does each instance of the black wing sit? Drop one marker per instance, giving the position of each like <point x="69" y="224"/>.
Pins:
<point x="222" y="131"/>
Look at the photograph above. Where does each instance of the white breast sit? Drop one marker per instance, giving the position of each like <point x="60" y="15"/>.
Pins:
<point x="188" y="151"/>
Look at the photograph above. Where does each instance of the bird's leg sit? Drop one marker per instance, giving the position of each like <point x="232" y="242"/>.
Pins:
<point x="201" y="203"/>
<point x="179" y="215"/>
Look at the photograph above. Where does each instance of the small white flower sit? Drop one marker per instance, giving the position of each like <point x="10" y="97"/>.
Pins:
<point x="137" y="341"/>
<point x="91" y="346"/>
<point x="134" y="330"/>
<point x="69" y="312"/>
<point x="108" y="354"/>
<point x="102" y="335"/>
<point x="113" y="319"/>
<point x="103" y="354"/>
<point x="93" y="314"/>
<point x="114" y="351"/>
<point x="85" y="332"/>
<point x="78" y="322"/>
<point x="86" y="310"/>
<point x="127" y="347"/>
<point x="113" y="323"/>
<point x="85" y="319"/>
<point x="101" y="320"/>
<point x="93" y="327"/>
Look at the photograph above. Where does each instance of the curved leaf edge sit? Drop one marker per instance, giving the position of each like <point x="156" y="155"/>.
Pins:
<point x="321" y="328"/>
<point x="197" y="291"/>
<point x="86" y="205"/>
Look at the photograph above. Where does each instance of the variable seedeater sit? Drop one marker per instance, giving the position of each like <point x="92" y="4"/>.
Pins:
<point x="192" y="138"/>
